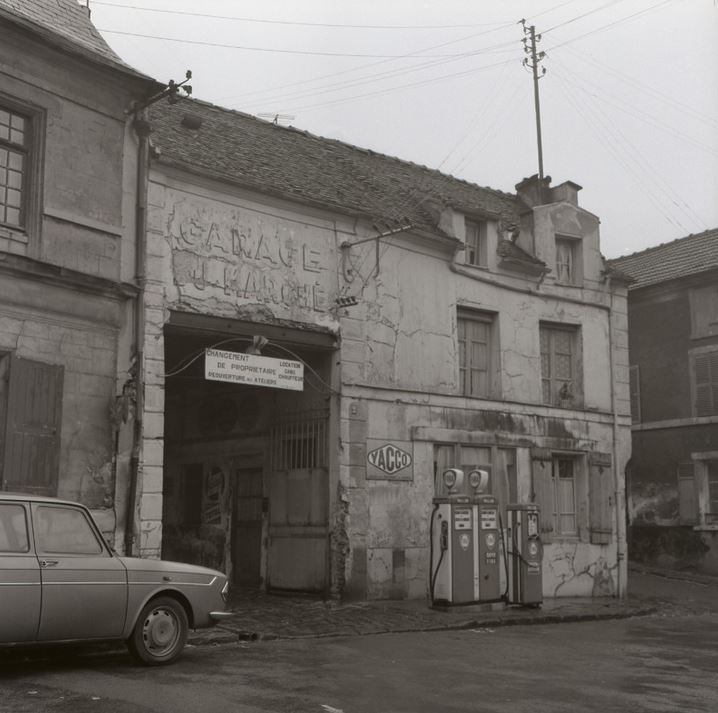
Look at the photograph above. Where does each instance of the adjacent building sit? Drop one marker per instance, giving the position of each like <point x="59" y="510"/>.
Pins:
<point x="437" y="324"/>
<point x="68" y="172"/>
<point x="673" y="343"/>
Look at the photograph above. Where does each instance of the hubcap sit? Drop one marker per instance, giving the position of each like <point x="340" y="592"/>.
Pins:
<point x="160" y="631"/>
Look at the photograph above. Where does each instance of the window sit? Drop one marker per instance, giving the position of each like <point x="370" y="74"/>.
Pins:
<point x="705" y="382"/>
<point x="13" y="528"/>
<point x="704" y="311"/>
<point x="568" y="260"/>
<point x="476" y="249"/>
<point x="687" y="505"/>
<point x="476" y="353"/>
<point x="635" y="393"/>
<point x="711" y="515"/>
<point x="564" y="496"/>
<point x="14" y="149"/>
<point x="560" y="378"/>
<point x="61" y="530"/>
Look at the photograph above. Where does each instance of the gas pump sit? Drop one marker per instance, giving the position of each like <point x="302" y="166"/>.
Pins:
<point x="525" y="555"/>
<point x="464" y="539"/>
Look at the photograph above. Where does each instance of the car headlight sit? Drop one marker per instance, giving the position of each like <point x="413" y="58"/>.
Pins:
<point x="225" y="591"/>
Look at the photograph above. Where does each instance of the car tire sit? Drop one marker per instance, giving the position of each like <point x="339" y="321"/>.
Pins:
<point x="160" y="632"/>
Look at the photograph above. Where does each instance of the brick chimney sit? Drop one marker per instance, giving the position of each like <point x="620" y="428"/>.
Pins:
<point x="566" y="192"/>
<point x="533" y="191"/>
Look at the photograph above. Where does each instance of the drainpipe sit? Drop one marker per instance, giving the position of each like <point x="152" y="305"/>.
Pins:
<point x="142" y="128"/>
<point x="618" y="495"/>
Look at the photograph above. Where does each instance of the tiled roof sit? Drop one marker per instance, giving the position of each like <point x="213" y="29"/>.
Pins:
<point x="669" y="261"/>
<point x="66" y="23"/>
<point x="287" y="162"/>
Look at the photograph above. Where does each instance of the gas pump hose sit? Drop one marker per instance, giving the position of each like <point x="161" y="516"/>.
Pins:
<point x="433" y="575"/>
<point x="505" y="595"/>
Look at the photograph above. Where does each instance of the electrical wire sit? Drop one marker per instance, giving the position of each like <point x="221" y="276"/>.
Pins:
<point x="295" y="23"/>
<point x="580" y="17"/>
<point x="311" y="53"/>
<point x="650" y="173"/>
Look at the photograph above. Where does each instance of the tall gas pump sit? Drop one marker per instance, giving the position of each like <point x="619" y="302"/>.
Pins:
<point x="464" y="539"/>
<point x="525" y="552"/>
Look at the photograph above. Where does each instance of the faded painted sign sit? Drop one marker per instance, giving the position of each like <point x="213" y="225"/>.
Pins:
<point x="239" y="368"/>
<point x="390" y="461"/>
<point x="242" y="254"/>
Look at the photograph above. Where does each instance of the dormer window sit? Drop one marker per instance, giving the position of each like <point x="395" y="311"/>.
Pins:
<point x="568" y="260"/>
<point x="476" y="251"/>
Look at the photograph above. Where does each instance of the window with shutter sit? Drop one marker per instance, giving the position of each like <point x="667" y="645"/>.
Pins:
<point x="543" y="493"/>
<point x="712" y="513"/>
<point x="705" y="383"/>
<point x="687" y="503"/>
<point x="476" y="249"/>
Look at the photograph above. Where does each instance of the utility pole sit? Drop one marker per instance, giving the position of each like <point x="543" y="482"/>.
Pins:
<point x="532" y="61"/>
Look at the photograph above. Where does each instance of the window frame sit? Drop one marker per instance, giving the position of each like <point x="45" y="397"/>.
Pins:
<point x="476" y="242"/>
<point x="556" y="461"/>
<point x="28" y="538"/>
<point x="465" y="317"/>
<point x="573" y="245"/>
<point x="31" y="198"/>
<point x="572" y="387"/>
<point x="709" y="353"/>
<point x="40" y="545"/>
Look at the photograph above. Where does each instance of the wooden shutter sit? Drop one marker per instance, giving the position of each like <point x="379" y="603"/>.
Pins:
<point x="705" y="381"/>
<point x="687" y="504"/>
<point x="543" y="491"/>
<point x="32" y="434"/>
<point x="600" y="498"/>
<point x="634" y="376"/>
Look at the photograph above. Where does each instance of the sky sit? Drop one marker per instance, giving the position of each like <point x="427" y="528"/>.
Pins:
<point x="629" y="98"/>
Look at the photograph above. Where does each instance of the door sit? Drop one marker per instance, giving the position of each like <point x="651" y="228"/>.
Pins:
<point x="247" y="526"/>
<point x="20" y="591"/>
<point x="32" y="434"/>
<point x="84" y="587"/>
<point x="298" y="504"/>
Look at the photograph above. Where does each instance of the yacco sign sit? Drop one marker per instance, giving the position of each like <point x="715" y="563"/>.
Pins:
<point x="389" y="459"/>
<point x="252" y="369"/>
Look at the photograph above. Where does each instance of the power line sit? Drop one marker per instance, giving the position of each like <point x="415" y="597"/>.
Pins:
<point x="296" y="23"/>
<point x="314" y="53"/>
<point x="580" y="17"/>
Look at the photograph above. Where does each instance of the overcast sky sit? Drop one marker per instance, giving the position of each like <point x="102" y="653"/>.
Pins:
<point x="629" y="102"/>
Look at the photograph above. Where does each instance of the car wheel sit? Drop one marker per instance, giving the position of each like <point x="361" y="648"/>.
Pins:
<point x="160" y="632"/>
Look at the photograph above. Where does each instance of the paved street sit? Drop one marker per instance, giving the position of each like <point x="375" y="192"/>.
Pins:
<point x="644" y="664"/>
<point x="664" y="662"/>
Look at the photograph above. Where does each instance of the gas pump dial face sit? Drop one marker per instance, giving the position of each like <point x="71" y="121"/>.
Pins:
<point x="490" y="539"/>
<point x="533" y="549"/>
<point x="464" y="541"/>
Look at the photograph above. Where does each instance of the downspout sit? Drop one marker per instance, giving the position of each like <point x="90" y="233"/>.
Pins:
<point x="142" y="129"/>
<point x="618" y="495"/>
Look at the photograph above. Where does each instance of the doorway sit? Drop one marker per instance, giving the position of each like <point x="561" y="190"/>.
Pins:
<point x="247" y="527"/>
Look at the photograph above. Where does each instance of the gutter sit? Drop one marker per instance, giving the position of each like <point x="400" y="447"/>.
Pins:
<point x="142" y="128"/>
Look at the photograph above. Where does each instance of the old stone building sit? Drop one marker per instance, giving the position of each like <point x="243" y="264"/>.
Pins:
<point x="673" y="342"/>
<point x="68" y="168"/>
<point x="421" y="323"/>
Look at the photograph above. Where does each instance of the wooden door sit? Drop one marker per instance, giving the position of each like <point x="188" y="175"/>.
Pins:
<point x="32" y="434"/>
<point x="247" y="527"/>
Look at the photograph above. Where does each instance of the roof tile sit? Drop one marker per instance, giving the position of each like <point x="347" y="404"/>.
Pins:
<point x="670" y="261"/>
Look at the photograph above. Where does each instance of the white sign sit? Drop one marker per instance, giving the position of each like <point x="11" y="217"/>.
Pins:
<point x="252" y="369"/>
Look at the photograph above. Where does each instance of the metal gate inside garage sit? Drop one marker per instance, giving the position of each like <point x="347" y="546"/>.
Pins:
<point x="298" y="503"/>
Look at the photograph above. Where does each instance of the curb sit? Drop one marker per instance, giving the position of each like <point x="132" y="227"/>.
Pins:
<point x="215" y="637"/>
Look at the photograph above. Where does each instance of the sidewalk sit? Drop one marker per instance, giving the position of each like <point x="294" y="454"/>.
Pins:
<point x="260" y="616"/>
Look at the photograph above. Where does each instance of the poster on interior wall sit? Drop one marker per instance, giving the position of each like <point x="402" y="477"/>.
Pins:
<point x="253" y="369"/>
<point x="389" y="460"/>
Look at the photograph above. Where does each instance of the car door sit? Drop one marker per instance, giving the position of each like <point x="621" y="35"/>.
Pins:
<point x="20" y="592"/>
<point x="84" y="587"/>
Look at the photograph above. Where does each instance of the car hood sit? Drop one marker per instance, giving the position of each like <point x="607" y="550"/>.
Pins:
<point x="135" y="564"/>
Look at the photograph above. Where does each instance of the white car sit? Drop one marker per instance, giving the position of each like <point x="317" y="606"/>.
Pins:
<point x="61" y="582"/>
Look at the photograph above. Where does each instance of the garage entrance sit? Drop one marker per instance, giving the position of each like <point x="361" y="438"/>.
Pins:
<point x="246" y="477"/>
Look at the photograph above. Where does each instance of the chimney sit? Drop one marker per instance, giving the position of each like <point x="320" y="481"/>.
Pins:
<point x="533" y="191"/>
<point x="566" y="192"/>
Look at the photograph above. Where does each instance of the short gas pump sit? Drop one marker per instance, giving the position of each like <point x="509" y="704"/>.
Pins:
<point x="525" y="554"/>
<point x="464" y="540"/>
